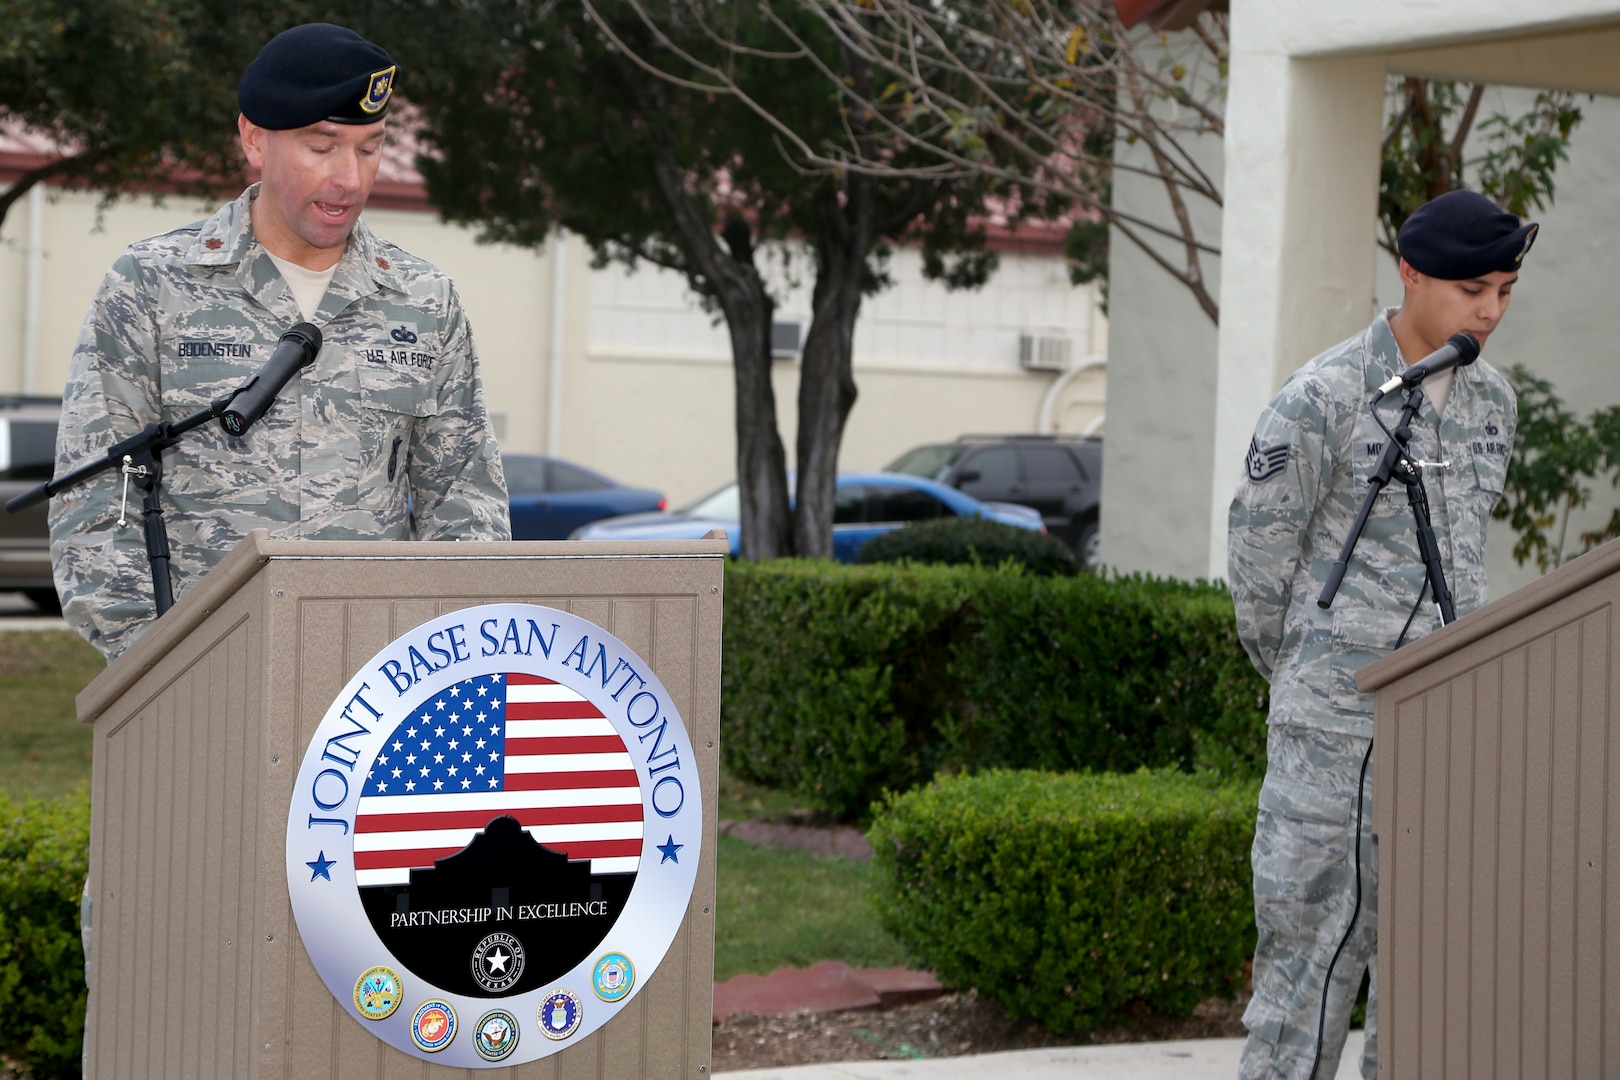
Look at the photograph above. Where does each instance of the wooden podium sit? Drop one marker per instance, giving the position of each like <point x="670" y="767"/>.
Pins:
<point x="1497" y="811"/>
<point x="198" y="968"/>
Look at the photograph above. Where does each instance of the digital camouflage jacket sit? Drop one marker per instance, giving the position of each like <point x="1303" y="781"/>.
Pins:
<point x="389" y="416"/>
<point x="1304" y="480"/>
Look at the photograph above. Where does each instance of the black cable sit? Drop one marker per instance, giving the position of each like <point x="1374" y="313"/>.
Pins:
<point x="1361" y="806"/>
<point x="1355" y="912"/>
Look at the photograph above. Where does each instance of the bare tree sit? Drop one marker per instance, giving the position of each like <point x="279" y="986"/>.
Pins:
<point x="1430" y="130"/>
<point x="1033" y="94"/>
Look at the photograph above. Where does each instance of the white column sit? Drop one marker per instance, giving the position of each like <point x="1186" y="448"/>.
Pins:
<point x="559" y="311"/>
<point x="1298" y="239"/>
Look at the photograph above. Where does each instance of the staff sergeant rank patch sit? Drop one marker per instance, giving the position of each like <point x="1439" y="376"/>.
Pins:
<point x="1264" y="462"/>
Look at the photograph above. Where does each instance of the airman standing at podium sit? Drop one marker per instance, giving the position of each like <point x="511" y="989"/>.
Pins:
<point x="389" y="419"/>
<point x="1304" y="481"/>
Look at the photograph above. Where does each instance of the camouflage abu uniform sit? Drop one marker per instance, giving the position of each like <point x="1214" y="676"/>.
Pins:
<point x="1304" y="481"/>
<point x="392" y="407"/>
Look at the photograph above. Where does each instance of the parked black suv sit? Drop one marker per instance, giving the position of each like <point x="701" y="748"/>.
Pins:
<point x="1059" y="475"/>
<point x="27" y="459"/>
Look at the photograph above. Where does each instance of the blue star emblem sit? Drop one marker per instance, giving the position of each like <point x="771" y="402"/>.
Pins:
<point x="321" y="867"/>
<point x="669" y="848"/>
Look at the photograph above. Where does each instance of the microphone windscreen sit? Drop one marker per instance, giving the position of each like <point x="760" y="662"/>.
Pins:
<point x="1466" y="344"/>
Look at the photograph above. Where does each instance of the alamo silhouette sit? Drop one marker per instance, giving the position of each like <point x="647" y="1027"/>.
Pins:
<point x="502" y="882"/>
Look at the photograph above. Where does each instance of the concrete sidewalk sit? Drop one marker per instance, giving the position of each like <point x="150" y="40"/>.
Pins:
<point x="1192" y="1059"/>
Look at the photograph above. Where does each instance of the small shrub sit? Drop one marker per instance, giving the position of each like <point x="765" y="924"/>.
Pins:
<point x="841" y="682"/>
<point x="973" y="542"/>
<point x="1067" y="897"/>
<point x="44" y="856"/>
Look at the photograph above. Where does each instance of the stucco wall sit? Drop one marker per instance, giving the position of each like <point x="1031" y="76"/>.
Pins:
<point x="1161" y="382"/>
<point x="646" y="380"/>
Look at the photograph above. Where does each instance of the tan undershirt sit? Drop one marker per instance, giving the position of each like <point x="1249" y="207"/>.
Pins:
<point x="309" y="286"/>
<point x="1438" y="389"/>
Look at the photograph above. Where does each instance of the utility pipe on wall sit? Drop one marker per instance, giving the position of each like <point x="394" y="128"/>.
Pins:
<point x="34" y="288"/>
<point x="1044" y="421"/>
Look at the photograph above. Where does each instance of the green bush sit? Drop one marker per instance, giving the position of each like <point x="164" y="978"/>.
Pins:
<point x="957" y="541"/>
<point x="840" y="682"/>
<point x="1068" y="897"/>
<point x="44" y="854"/>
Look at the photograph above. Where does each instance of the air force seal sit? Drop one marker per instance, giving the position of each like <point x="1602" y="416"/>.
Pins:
<point x="560" y="1014"/>
<point x="491" y="799"/>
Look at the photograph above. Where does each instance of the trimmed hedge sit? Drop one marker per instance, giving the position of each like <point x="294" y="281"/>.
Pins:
<point x="840" y="682"/>
<point x="972" y="542"/>
<point x="1068" y="897"/>
<point x="44" y="856"/>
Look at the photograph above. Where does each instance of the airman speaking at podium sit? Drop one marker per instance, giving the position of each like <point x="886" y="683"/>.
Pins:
<point x="387" y="422"/>
<point x="1306" y="475"/>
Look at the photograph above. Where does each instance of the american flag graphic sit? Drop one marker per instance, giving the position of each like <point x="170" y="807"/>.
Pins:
<point x="514" y="745"/>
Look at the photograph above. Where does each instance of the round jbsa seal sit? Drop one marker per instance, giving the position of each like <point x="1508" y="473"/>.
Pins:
<point x="502" y="802"/>
<point x="497" y="962"/>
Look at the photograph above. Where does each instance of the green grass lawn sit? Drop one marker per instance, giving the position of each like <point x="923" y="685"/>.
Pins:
<point x="780" y="908"/>
<point x="775" y="907"/>
<point x="44" y="750"/>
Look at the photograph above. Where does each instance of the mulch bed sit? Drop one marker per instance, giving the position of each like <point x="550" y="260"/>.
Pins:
<point x="950" y="1025"/>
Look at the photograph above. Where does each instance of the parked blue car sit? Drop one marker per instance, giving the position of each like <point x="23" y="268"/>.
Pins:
<point x="550" y="498"/>
<point x="869" y="503"/>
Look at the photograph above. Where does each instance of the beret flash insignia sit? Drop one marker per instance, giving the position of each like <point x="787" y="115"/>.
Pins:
<point x="1529" y="238"/>
<point x="1265" y="462"/>
<point x="379" y="89"/>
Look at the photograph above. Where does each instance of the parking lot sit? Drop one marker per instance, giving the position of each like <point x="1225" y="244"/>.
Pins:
<point x="16" y="613"/>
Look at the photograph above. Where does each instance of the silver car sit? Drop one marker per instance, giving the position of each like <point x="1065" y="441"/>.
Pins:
<point x="27" y="459"/>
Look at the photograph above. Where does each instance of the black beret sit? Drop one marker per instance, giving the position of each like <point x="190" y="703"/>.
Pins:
<point x="1462" y="235"/>
<point x="317" y="72"/>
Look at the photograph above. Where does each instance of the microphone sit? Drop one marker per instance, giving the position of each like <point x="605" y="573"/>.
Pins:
<point x="1460" y="350"/>
<point x="295" y="352"/>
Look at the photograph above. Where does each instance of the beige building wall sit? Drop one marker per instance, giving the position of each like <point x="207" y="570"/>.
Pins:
<point x="642" y="375"/>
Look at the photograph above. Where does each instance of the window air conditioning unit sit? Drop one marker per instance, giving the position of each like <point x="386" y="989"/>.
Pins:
<point x="785" y="343"/>
<point x="1043" y="352"/>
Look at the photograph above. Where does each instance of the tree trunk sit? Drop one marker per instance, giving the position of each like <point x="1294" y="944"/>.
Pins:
<point x="730" y="274"/>
<point x="761" y="458"/>
<point x="845" y="233"/>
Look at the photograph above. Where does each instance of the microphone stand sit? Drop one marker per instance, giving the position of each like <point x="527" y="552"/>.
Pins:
<point x="1398" y="465"/>
<point x="140" y="458"/>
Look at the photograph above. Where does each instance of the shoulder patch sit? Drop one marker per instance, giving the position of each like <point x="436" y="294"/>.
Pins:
<point x="1264" y="462"/>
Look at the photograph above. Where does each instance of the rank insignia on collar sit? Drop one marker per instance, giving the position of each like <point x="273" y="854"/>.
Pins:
<point x="378" y="90"/>
<point x="1265" y="462"/>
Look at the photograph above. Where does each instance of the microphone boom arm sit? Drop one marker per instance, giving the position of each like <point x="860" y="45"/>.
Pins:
<point x="141" y="458"/>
